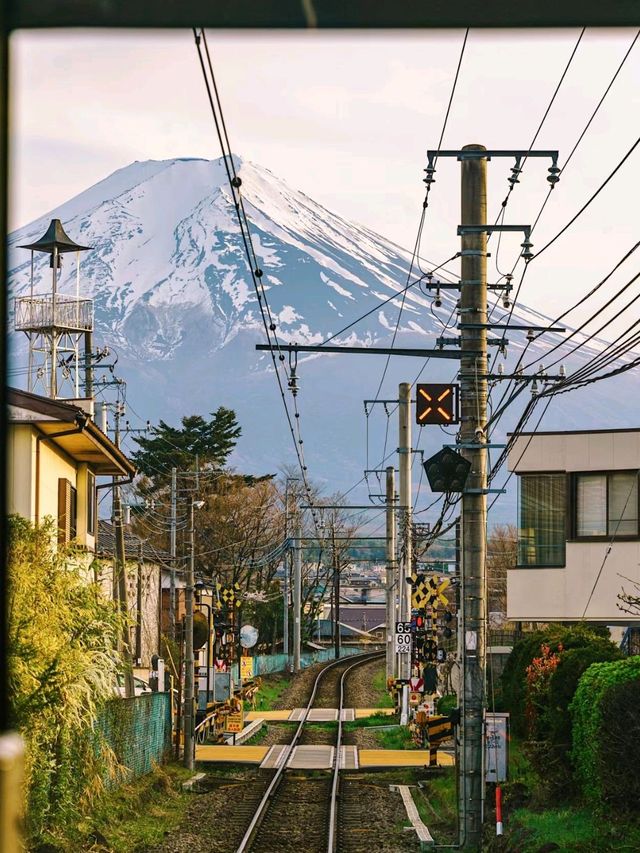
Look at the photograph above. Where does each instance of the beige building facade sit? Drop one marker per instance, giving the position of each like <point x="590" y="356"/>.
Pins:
<point x="578" y="528"/>
<point x="55" y="455"/>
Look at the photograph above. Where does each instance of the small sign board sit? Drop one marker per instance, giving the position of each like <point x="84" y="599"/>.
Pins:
<point x="496" y="747"/>
<point x="414" y="699"/>
<point x="234" y="722"/>
<point x="246" y="667"/>
<point x="403" y="638"/>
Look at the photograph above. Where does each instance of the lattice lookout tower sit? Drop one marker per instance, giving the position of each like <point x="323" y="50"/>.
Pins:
<point x="59" y="327"/>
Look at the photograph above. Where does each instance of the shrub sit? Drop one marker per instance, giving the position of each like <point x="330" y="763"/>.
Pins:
<point x="62" y="640"/>
<point x="514" y="676"/>
<point x="606" y="692"/>
<point x="620" y="744"/>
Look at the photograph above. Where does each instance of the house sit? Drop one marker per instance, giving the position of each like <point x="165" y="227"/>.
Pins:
<point x="578" y="539"/>
<point x="146" y="570"/>
<point x="55" y="453"/>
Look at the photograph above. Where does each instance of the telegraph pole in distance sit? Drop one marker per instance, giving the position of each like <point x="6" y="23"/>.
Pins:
<point x="473" y="401"/>
<point x="336" y="591"/>
<point x="297" y="594"/>
<point x="404" y="590"/>
<point x="391" y="569"/>
<point x="172" y="582"/>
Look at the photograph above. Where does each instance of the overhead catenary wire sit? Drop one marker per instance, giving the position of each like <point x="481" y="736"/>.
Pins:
<point x="255" y="271"/>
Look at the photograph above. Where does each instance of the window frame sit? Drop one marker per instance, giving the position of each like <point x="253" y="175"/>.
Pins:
<point x="567" y="518"/>
<point x="573" y="516"/>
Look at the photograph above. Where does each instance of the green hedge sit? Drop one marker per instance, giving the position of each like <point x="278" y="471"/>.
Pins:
<point x="604" y="692"/>
<point x="514" y="676"/>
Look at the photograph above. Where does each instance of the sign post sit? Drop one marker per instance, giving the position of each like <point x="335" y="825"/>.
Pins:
<point x="403" y="638"/>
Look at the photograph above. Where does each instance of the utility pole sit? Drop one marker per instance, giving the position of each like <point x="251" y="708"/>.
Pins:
<point x="172" y="581"/>
<point x="139" y="605"/>
<point x="404" y="590"/>
<point x="287" y="568"/>
<point x="336" y="591"/>
<point x="473" y="398"/>
<point x="297" y="594"/>
<point x="189" y="664"/>
<point x="391" y="569"/>
<point x="120" y="571"/>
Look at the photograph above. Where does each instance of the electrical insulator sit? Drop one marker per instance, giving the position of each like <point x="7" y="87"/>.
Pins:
<point x="563" y="370"/>
<point x="534" y="388"/>
<point x="501" y="368"/>
<point x="527" y="254"/>
<point x="438" y="300"/>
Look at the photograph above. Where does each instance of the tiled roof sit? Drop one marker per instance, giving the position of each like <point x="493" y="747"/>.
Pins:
<point x="132" y="543"/>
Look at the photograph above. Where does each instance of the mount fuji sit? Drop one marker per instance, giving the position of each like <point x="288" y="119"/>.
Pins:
<point x="175" y="302"/>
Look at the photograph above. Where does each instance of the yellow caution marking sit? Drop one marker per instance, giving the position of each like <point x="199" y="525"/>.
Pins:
<point x="360" y="713"/>
<point x="400" y="758"/>
<point x="220" y="752"/>
<point x="278" y="716"/>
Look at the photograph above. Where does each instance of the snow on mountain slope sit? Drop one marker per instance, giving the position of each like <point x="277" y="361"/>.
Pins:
<point x="174" y="298"/>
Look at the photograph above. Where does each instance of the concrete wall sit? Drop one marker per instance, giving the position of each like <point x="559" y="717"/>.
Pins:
<point x="150" y="604"/>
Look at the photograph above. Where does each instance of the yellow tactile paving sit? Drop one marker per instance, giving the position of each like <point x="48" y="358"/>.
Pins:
<point x="278" y="716"/>
<point x="243" y="754"/>
<point x="400" y="758"/>
<point x="371" y="712"/>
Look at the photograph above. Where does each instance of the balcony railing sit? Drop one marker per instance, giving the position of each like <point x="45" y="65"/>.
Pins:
<point x="37" y="313"/>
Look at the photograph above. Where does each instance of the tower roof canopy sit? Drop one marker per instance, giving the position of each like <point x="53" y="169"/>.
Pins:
<point x="55" y="237"/>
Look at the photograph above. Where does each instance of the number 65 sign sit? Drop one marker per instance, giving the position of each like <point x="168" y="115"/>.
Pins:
<point x="403" y="638"/>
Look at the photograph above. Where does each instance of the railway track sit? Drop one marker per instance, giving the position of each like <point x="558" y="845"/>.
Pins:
<point x="300" y="810"/>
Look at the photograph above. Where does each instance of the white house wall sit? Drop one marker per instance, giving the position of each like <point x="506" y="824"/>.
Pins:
<point x="548" y="594"/>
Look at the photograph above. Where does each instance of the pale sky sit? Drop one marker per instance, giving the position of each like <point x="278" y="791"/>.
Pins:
<point x="348" y="118"/>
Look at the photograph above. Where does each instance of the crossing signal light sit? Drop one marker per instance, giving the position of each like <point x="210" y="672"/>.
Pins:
<point x="447" y="471"/>
<point x="437" y="404"/>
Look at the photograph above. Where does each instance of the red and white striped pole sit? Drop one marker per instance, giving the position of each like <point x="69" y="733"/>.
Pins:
<point x="498" y="810"/>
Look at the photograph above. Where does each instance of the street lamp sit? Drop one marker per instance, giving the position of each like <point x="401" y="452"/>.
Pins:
<point x="189" y="741"/>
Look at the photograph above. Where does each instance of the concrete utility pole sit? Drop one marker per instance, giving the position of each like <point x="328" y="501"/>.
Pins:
<point x="336" y="592"/>
<point x="473" y="398"/>
<point x="287" y="568"/>
<point x="297" y="595"/>
<point x="391" y="569"/>
<point x="189" y="664"/>
<point x="172" y="582"/>
<point x="404" y="452"/>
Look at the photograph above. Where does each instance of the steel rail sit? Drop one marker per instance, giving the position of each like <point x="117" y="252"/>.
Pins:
<point x="331" y="844"/>
<point x="268" y="794"/>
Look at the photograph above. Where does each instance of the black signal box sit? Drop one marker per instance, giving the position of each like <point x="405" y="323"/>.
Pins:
<point x="437" y="404"/>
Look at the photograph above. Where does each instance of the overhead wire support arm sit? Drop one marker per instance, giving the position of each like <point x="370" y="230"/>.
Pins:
<point x="412" y="353"/>
<point x="471" y="154"/>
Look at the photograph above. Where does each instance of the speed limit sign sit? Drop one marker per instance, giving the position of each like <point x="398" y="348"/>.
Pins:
<point x="403" y="638"/>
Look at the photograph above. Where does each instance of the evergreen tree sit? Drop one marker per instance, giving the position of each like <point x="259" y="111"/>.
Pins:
<point x="211" y="441"/>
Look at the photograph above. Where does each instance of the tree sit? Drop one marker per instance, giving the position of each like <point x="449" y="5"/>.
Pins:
<point x="502" y="554"/>
<point x="170" y="447"/>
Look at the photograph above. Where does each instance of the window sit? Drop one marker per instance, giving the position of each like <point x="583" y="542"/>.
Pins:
<point x="541" y="519"/>
<point x="91" y="503"/>
<point x="67" y="507"/>
<point x="606" y="504"/>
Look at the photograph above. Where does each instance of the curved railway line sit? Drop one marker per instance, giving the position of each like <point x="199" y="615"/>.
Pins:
<point x="300" y="810"/>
